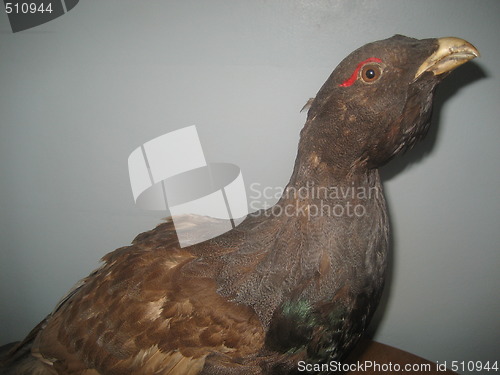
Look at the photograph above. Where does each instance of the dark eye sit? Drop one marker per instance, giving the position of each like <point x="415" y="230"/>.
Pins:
<point x="370" y="73"/>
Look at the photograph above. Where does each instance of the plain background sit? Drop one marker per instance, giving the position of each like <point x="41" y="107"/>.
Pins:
<point x="80" y="93"/>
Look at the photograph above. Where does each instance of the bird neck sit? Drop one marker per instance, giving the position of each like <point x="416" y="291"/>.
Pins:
<point x="311" y="169"/>
<point x="319" y="199"/>
<point x="331" y="151"/>
<point x="326" y="220"/>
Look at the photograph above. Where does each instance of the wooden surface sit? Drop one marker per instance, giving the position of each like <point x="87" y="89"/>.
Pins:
<point x="377" y="354"/>
<point x="390" y="361"/>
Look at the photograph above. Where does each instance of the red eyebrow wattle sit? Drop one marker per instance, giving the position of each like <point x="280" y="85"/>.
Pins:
<point x="348" y="82"/>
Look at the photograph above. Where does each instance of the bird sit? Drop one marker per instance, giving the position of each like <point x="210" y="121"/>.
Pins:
<point x="295" y="283"/>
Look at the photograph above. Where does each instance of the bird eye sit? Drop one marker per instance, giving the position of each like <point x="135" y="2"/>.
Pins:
<point x="370" y="73"/>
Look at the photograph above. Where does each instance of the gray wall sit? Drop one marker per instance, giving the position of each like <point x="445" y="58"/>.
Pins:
<point x="78" y="94"/>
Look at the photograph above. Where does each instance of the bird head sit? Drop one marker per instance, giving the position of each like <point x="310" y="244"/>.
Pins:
<point x="378" y="101"/>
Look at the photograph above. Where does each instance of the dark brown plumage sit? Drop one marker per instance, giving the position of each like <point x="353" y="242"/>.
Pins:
<point x="299" y="281"/>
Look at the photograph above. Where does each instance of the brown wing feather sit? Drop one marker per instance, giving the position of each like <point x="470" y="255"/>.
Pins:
<point x="139" y="313"/>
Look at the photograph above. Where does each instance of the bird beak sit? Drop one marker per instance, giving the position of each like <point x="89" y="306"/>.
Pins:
<point x="451" y="53"/>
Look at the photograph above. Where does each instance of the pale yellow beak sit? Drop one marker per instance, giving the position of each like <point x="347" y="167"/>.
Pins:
<point x="451" y="53"/>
